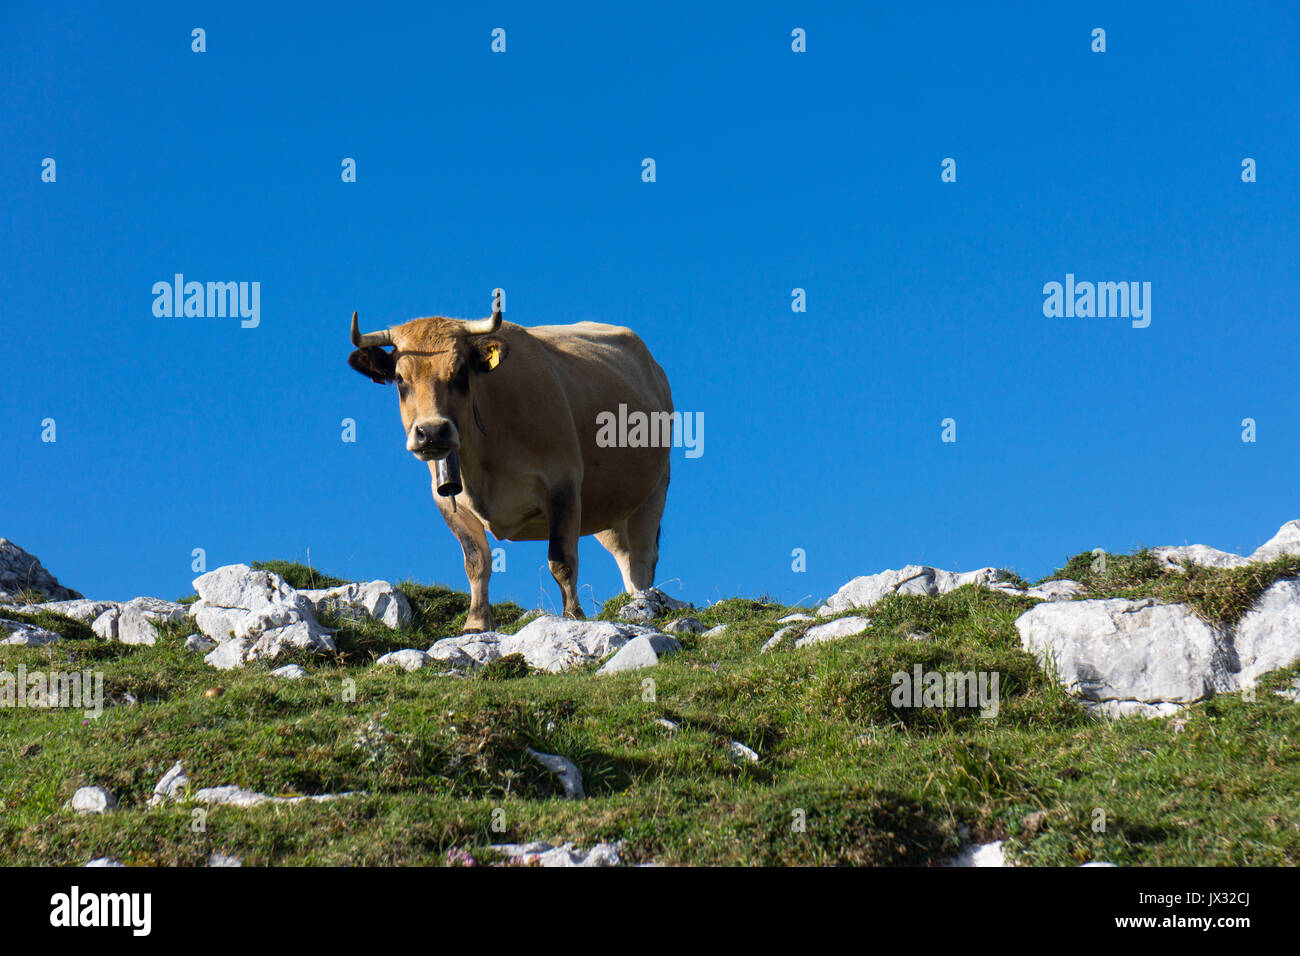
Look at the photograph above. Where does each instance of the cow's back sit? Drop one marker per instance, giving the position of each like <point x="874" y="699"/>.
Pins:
<point x="603" y="364"/>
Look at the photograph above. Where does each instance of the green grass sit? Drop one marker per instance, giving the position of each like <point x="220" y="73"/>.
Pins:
<point x="437" y="756"/>
<point x="1219" y="595"/>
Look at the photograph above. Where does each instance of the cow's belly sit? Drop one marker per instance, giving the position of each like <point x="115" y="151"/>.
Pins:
<point x="520" y="514"/>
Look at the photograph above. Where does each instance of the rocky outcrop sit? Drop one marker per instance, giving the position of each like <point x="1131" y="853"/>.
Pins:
<point x="376" y="600"/>
<point x="17" y="633"/>
<point x="21" y="571"/>
<point x="550" y="643"/>
<point x="863" y="592"/>
<point x="649" y="604"/>
<point x="133" y="621"/>
<point x="1122" y="657"/>
<point x="255" y="615"/>
<point x="1286" y="541"/>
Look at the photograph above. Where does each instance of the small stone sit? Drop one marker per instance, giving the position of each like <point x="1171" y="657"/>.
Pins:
<point x="684" y="625"/>
<point x="981" y="855"/>
<point x="775" y="640"/>
<point x="290" y="672"/>
<point x="741" y="752"/>
<point x="409" y="659"/>
<point x="199" y="643"/>
<point x="641" y="652"/>
<point x="565" y="770"/>
<point x="1035" y="821"/>
<point x="92" y="800"/>
<point x="170" y="786"/>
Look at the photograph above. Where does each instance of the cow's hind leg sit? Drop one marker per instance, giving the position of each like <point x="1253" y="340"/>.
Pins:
<point x="635" y="542"/>
<point x="562" y="553"/>
<point x="478" y="563"/>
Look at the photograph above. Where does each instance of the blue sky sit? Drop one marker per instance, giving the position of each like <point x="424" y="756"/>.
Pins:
<point x="775" y="170"/>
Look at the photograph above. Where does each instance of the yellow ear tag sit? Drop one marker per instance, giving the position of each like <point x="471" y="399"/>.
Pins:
<point x="494" y="357"/>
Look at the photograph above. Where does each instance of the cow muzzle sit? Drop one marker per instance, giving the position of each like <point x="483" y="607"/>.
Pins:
<point x="432" y="439"/>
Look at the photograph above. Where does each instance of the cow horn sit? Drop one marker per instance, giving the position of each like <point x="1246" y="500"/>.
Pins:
<point x="483" y="326"/>
<point x="370" y="339"/>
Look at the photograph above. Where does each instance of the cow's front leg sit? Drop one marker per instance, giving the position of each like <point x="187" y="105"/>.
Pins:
<point x="562" y="555"/>
<point x="478" y="562"/>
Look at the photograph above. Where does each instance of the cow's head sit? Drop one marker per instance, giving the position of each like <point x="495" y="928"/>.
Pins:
<point x="435" y="364"/>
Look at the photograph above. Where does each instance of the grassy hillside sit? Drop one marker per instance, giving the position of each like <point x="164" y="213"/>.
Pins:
<point x="437" y="755"/>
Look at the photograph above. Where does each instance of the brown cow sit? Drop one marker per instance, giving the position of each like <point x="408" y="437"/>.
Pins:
<point x="519" y="408"/>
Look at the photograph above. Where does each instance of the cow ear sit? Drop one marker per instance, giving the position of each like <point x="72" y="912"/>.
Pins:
<point x="490" y="354"/>
<point x="379" y="366"/>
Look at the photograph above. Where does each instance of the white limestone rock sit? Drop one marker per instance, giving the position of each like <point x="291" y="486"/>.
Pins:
<point x="199" y="643"/>
<point x="92" y="800"/>
<point x="1286" y="541"/>
<point x="1173" y="557"/>
<point x="171" y="786"/>
<point x="649" y="604"/>
<point x="409" y="659"/>
<point x="234" y="796"/>
<point x="564" y="770"/>
<point x="776" y="640"/>
<point x="377" y="600"/>
<point x="641" y="652"/>
<point x="18" y="633"/>
<point x="556" y="644"/>
<point x="80" y="609"/>
<point x="255" y="615"/>
<point x="132" y="622"/>
<point x="468" y="650"/>
<point x="981" y="855"/>
<point x="1126" y="657"/>
<point x="544" y="854"/>
<point x="742" y="753"/>
<point x="1267" y="637"/>
<point x="863" y="592"/>
<point x="290" y="672"/>
<point x="832" y="630"/>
